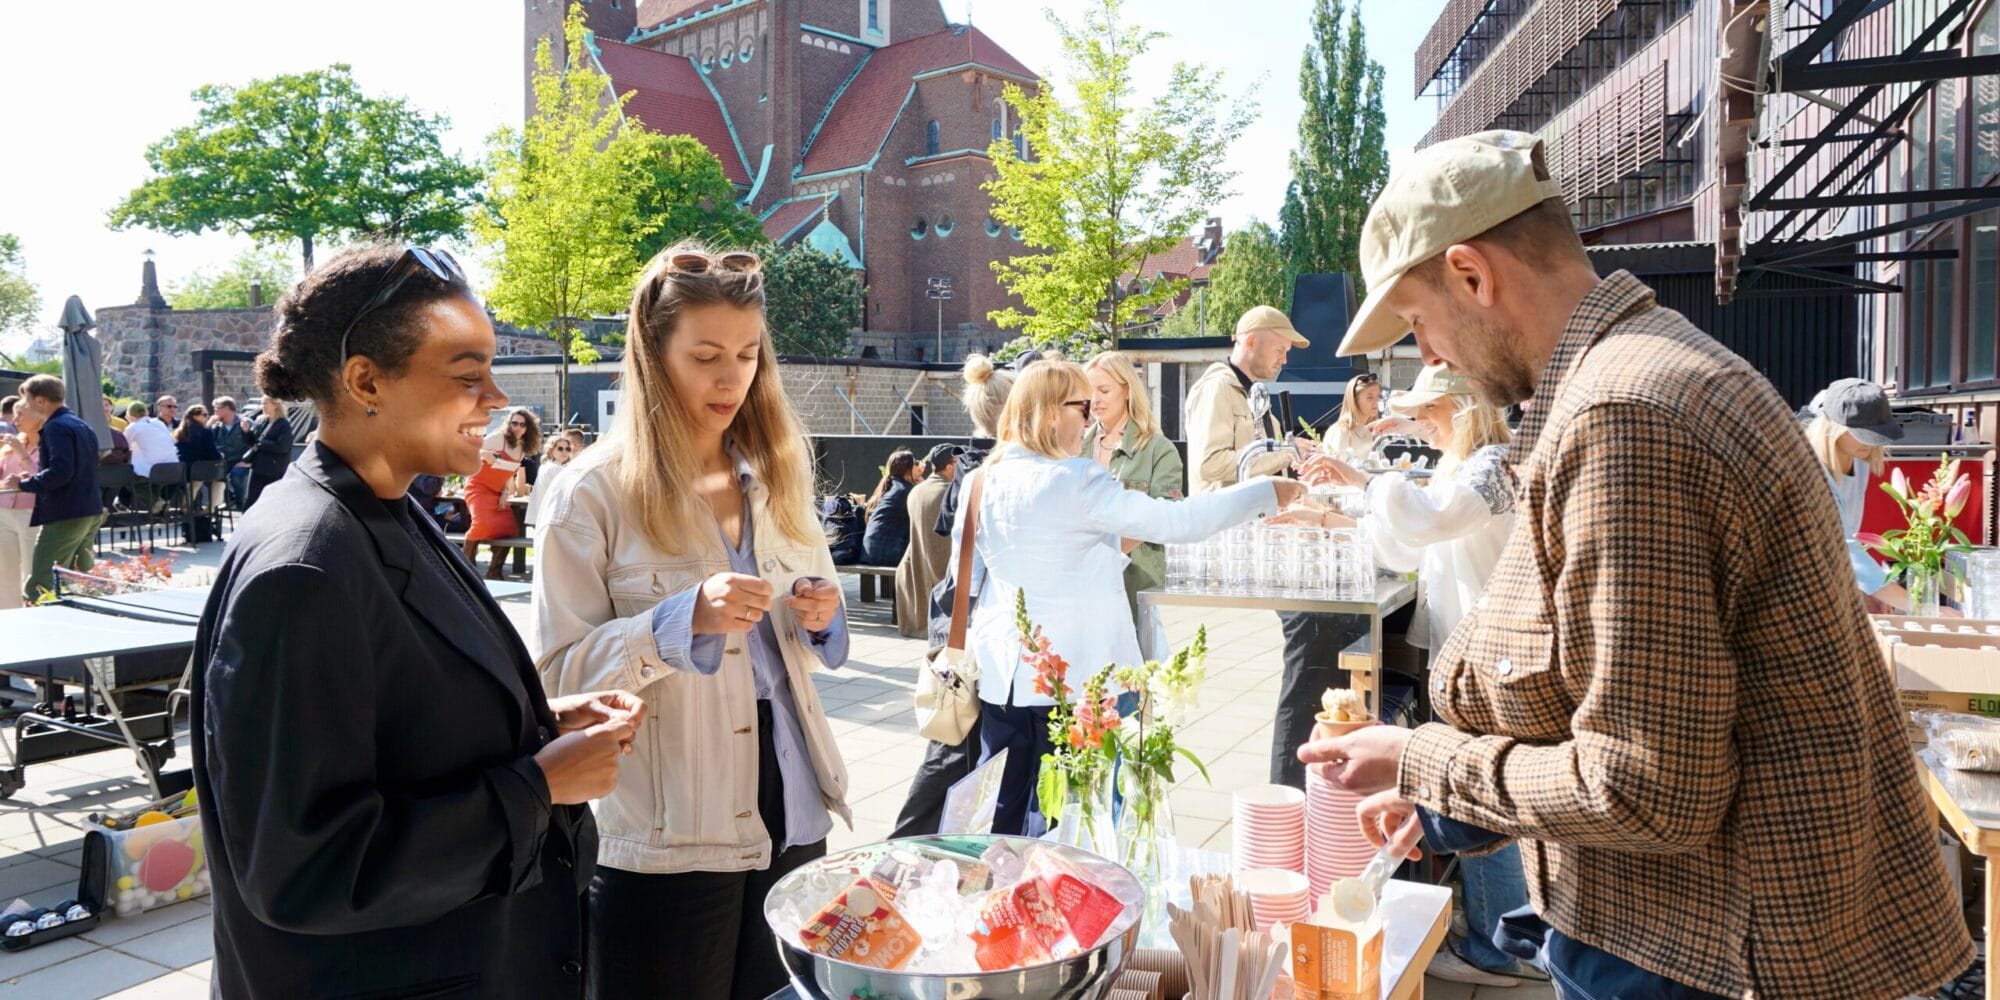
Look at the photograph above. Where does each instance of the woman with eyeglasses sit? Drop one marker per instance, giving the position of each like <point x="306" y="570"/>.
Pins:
<point x="560" y="449"/>
<point x="390" y="805"/>
<point x="1050" y="525"/>
<point x="681" y="556"/>
<point x="500" y="476"/>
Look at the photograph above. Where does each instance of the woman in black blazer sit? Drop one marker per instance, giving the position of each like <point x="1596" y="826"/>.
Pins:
<point x="391" y="807"/>
<point x="272" y="451"/>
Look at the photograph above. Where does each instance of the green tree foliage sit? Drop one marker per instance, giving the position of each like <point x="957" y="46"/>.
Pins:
<point x="303" y="157"/>
<point x="1251" y="272"/>
<point x="690" y="198"/>
<point x="1108" y="179"/>
<point x="19" y="299"/>
<point x="228" y="287"/>
<point x="563" y="201"/>
<point x="812" y="301"/>
<point x="1341" y="162"/>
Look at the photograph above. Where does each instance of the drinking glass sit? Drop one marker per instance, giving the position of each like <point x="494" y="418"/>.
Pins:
<point x="1310" y="565"/>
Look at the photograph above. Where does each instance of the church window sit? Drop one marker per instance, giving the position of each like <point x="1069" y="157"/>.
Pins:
<point x="875" y="15"/>
<point x="993" y="227"/>
<point x="920" y="229"/>
<point x="945" y="224"/>
<point x="728" y="55"/>
<point x="931" y="138"/>
<point x="746" y="50"/>
<point x="996" y="130"/>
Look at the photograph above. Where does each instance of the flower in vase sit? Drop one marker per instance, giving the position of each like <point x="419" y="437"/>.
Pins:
<point x="1900" y="482"/>
<point x="1954" y="501"/>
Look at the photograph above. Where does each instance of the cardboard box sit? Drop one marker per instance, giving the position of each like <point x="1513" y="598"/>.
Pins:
<point x="1332" y="963"/>
<point x="1951" y="671"/>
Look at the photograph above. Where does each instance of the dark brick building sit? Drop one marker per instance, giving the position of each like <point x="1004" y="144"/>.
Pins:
<point x="859" y="126"/>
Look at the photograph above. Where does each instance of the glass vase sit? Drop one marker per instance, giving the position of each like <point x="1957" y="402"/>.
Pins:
<point x="1922" y="585"/>
<point x="1145" y="825"/>
<point x="1086" y="820"/>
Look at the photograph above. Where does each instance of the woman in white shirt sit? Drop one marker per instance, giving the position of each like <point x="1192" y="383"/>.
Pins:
<point x="1353" y="433"/>
<point x="1852" y="424"/>
<point x="1450" y="531"/>
<point x="1050" y="522"/>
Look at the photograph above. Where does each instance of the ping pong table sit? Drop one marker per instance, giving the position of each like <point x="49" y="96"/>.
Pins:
<point x="130" y="653"/>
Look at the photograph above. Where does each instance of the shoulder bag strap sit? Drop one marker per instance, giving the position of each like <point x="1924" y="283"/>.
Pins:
<point x="961" y="598"/>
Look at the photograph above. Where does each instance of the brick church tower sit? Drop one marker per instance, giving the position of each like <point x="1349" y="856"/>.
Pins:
<point x="860" y="127"/>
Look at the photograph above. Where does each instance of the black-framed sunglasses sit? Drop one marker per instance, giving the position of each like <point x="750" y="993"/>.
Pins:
<point x="1082" y="406"/>
<point x="415" y="260"/>
<point x="1366" y="378"/>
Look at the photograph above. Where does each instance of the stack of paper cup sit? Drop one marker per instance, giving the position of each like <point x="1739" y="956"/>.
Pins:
<point x="1277" y="896"/>
<point x="1335" y="847"/>
<point x="1269" y="829"/>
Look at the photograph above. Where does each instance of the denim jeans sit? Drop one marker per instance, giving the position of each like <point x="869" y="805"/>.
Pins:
<point x="1581" y="972"/>
<point x="1493" y="886"/>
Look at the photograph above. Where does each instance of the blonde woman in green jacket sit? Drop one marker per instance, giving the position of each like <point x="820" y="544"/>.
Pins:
<point x="1126" y="439"/>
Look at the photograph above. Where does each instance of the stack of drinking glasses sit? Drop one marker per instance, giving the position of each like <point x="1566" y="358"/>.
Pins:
<point x="1277" y="561"/>
<point x="1978" y="573"/>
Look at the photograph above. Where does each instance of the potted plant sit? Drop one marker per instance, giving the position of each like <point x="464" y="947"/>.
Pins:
<point x="1916" y="552"/>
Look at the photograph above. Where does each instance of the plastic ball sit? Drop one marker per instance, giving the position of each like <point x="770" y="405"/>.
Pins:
<point x="126" y="909"/>
<point x="126" y="882"/>
<point x="185" y="892"/>
<point x="153" y="817"/>
<point x="126" y="896"/>
<point x="165" y="865"/>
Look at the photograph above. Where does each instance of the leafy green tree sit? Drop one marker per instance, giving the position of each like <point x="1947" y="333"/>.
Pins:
<point x="19" y="299"/>
<point x="1341" y="162"/>
<point x="1108" y="179"/>
<point x="1251" y="272"/>
<point x="1187" y="322"/>
<point x="228" y="287"/>
<point x="303" y="157"/>
<point x="812" y="301"/>
<point x="564" y="218"/>
<point x="689" y="197"/>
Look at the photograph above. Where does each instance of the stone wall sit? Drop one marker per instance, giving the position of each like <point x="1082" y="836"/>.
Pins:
<point x="150" y="351"/>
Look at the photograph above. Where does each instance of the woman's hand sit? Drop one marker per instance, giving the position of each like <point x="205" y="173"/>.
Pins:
<point x="1289" y="491"/>
<point x="1397" y="425"/>
<point x="814" y="602"/>
<point x="583" y="765"/>
<point x="1303" y="514"/>
<point x="581" y="711"/>
<point x="731" y="603"/>
<point x="1322" y="469"/>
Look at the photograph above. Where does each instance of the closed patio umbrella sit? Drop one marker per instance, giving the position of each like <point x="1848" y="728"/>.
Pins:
<point x="83" y="368"/>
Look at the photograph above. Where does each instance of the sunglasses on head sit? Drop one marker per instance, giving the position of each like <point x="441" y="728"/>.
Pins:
<point x="694" y="262"/>
<point x="414" y="261"/>
<point x="1369" y="378"/>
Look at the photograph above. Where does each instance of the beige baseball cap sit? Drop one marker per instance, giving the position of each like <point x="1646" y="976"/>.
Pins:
<point x="1446" y="194"/>
<point x="1269" y="318"/>
<point x="1435" y="382"/>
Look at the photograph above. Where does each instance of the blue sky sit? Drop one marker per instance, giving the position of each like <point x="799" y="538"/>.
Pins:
<point x="94" y="83"/>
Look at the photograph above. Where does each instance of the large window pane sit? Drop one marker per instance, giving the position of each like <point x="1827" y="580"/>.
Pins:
<point x="1944" y="326"/>
<point x="1982" y="327"/>
<point x="1986" y="98"/>
<point x="1918" y="291"/>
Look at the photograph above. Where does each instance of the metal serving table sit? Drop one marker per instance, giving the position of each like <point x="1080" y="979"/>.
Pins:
<point x="1391" y="594"/>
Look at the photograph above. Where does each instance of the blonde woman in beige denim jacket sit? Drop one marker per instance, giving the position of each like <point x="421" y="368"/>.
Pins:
<point x="682" y="558"/>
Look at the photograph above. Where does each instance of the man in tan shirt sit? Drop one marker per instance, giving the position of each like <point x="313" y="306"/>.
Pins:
<point x="1219" y="425"/>
<point x="1668" y="693"/>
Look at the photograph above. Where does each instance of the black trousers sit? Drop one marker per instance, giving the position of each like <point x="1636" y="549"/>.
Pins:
<point x="1312" y="664"/>
<point x="944" y="765"/>
<point x="1024" y="734"/>
<point x="695" y="935"/>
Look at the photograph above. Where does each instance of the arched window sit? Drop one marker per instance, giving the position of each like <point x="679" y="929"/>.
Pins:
<point x="920" y="229"/>
<point x="728" y="55"/>
<point x="945" y="224"/>
<point x="746" y="50"/>
<point x="931" y="138"/>
<point x="707" y="60"/>
<point x="996" y="130"/>
<point x="993" y="227"/>
<point x="1020" y="145"/>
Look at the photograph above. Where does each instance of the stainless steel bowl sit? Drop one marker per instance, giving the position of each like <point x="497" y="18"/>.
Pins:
<point x="1086" y="976"/>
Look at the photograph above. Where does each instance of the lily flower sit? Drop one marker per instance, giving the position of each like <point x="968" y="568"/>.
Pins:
<point x="1899" y="482"/>
<point x="1954" y="501"/>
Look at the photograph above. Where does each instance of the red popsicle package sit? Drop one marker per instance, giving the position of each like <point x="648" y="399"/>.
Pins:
<point x="863" y="927"/>
<point x="1087" y="909"/>
<point x="1018" y="926"/>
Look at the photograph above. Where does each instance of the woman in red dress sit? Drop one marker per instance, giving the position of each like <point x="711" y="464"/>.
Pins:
<point x="499" y="477"/>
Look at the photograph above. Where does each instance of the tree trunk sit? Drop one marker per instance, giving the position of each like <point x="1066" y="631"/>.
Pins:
<point x="306" y="253"/>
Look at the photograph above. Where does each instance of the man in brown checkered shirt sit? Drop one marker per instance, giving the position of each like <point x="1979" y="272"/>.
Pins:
<point x="1668" y="693"/>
